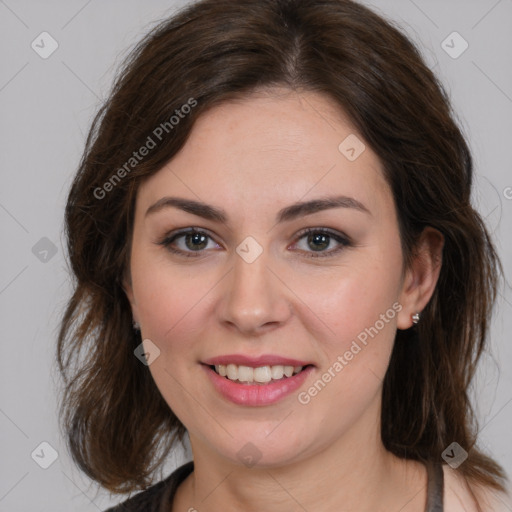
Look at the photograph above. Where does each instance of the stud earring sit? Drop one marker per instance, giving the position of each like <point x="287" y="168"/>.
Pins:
<point x="136" y="325"/>
<point x="415" y="318"/>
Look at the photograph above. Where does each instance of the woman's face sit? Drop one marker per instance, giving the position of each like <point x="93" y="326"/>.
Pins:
<point x="254" y="289"/>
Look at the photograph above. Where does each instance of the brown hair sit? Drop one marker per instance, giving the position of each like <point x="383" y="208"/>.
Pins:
<point x="118" y="427"/>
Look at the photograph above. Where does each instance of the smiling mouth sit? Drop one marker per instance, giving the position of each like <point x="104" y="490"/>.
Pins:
<point x="260" y="375"/>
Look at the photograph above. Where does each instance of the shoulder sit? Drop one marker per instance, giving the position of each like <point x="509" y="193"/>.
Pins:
<point x="461" y="496"/>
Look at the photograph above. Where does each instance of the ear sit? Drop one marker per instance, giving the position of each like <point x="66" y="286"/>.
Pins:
<point x="421" y="277"/>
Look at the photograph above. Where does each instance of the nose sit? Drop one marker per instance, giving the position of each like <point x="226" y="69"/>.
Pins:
<point x="254" y="299"/>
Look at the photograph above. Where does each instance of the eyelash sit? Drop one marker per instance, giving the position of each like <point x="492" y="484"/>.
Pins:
<point x="343" y="240"/>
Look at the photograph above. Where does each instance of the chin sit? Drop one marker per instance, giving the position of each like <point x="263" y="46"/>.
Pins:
<point x="263" y="451"/>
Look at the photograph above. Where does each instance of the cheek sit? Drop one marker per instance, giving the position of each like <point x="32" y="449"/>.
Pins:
<point x="352" y="301"/>
<point x="169" y="298"/>
<point x="358" y="315"/>
<point x="169" y="306"/>
<point x="357" y="308"/>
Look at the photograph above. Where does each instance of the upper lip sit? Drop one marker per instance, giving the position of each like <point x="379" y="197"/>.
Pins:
<point x="255" y="362"/>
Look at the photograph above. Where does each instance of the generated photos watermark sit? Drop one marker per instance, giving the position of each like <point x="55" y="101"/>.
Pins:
<point x="151" y="142"/>
<point x="304" y="397"/>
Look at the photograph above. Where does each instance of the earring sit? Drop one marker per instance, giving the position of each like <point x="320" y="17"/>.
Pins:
<point x="415" y="318"/>
<point x="136" y="325"/>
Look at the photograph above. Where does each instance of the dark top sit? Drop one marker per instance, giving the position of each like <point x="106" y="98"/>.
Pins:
<point x="159" y="497"/>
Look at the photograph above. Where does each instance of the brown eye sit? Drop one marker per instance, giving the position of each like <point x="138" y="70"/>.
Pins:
<point x="187" y="242"/>
<point x="318" y="240"/>
<point x="196" y="241"/>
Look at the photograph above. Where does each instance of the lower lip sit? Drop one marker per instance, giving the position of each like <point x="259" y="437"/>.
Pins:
<point x="257" y="394"/>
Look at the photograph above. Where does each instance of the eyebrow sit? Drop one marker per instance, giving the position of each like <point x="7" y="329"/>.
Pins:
<point x="286" y="214"/>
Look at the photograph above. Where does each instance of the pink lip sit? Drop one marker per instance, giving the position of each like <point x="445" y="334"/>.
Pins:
<point x="255" y="362"/>
<point x="257" y="394"/>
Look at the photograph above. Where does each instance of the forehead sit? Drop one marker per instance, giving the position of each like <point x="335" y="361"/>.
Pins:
<point x="270" y="149"/>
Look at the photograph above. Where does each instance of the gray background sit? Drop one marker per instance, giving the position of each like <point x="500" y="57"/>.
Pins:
<point x="46" y="109"/>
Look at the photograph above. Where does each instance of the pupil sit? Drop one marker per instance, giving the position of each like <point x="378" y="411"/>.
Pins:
<point x="196" y="239"/>
<point x="321" y="238"/>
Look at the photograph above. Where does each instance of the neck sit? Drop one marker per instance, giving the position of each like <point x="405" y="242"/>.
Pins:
<point x="355" y="473"/>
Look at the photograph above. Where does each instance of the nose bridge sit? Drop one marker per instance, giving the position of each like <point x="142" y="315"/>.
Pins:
<point x="254" y="297"/>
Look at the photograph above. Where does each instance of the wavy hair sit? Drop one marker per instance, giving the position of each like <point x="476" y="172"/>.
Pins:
<point x="118" y="427"/>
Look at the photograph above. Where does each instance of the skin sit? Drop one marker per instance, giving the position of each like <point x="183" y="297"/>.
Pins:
<point x="252" y="158"/>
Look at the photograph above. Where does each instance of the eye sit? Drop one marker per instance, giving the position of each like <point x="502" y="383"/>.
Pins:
<point x="321" y="238"/>
<point x="191" y="240"/>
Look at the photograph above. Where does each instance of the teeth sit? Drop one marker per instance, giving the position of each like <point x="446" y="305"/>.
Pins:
<point x="245" y="374"/>
<point x="262" y="374"/>
<point x="277" y="371"/>
<point x="232" y="372"/>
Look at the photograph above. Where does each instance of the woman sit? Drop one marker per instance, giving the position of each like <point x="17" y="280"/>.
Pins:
<point x="275" y="253"/>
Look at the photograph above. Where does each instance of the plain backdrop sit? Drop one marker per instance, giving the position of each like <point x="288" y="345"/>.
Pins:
<point x="47" y="105"/>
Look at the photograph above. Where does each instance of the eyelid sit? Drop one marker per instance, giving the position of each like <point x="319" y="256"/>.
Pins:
<point x="329" y="231"/>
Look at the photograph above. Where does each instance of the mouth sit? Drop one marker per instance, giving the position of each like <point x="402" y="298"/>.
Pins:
<point x="256" y="380"/>
<point x="260" y="375"/>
